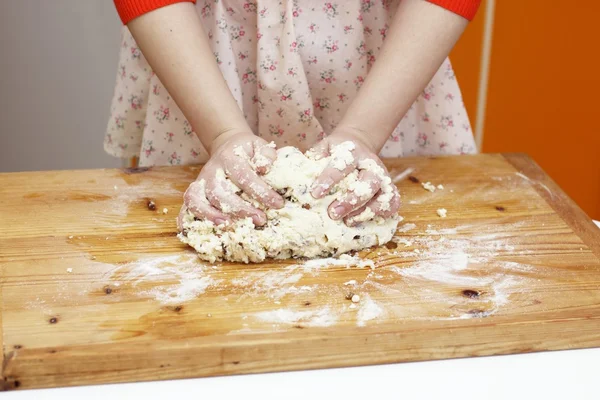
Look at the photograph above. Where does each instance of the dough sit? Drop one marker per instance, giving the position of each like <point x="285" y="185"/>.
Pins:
<point x="302" y="228"/>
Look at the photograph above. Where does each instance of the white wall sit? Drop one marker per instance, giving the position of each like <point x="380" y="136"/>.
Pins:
<point x="58" y="61"/>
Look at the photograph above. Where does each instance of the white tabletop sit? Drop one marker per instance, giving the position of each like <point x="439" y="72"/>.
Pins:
<point x="569" y="374"/>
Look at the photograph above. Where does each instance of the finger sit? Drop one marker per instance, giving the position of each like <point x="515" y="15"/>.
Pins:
<point x="320" y="150"/>
<point x="384" y="205"/>
<point x="249" y="182"/>
<point x="222" y="195"/>
<point x="196" y="202"/>
<point x="343" y="161"/>
<point x="263" y="156"/>
<point x="360" y="192"/>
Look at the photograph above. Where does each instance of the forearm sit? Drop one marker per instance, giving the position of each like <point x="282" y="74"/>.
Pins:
<point x="176" y="47"/>
<point x="420" y="38"/>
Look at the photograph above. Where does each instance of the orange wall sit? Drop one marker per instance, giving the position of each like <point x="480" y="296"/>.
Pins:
<point x="544" y="90"/>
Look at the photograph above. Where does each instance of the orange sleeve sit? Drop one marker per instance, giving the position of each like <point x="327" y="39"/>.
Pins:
<point x="464" y="8"/>
<point x="131" y="9"/>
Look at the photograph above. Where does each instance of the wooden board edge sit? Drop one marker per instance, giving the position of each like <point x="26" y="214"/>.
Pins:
<point x="28" y="372"/>
<point x="2" y="341"/>
<point x="560" y="202"/>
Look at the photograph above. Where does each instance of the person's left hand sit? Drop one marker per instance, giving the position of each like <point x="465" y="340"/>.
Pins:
<point x="379" y="197"/>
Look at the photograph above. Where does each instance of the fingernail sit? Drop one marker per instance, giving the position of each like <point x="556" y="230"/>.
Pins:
<point x="319" y="190"/>
<point x="276" y="201"/>
<point x="220" y="221"/>
<point x="258" y="220"/>
<point x="338" y="211"/>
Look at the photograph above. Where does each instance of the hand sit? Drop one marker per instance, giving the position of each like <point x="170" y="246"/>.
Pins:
<point x="377" y="197"/>
<point x="242" y="157"/>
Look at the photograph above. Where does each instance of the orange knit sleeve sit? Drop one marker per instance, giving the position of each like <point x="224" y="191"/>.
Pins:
<point x="464" y="8"/>
<point x="131" y="9"/>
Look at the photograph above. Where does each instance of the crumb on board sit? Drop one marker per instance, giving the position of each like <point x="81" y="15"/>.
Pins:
<point x="352" y="282"/>
<point x="442" y="212"/>
<point x="69" y="270"/>
<point x="428" y="186"/>
<point x="165" y="210"/>
<point x="71" y="237"/>
<point x="355" y="298"/>
<point x="209" y="315"/>
<point x="352" y="306"/>
<point x="440" y="186"/>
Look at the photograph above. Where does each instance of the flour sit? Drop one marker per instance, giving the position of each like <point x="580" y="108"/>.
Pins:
<point x="321" y="317"/>
<point x="172" y="279"/>
<point x="406" y="227"/>
<point x="368" y="310"/>
<point x="302" y="228"/>
<point x="534" y="183"/>
<point x="344" y="260"/>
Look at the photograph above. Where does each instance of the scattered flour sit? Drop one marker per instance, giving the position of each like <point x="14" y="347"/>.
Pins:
<point x="172" y="279"/>
<point x="368" y="311"/>
<point x="320" y="317"/>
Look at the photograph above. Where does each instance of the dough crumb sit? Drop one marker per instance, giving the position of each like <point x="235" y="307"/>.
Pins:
<point x="165" y="210"/>
<point x="442" y="212"/>
<point x="69" y="270"/>
<point x="355" y="298"/>
<point x="71" y="237"/>
<point x="209" y="315"/>
<point x="352" y="282"/>
<point x="428" y="186"/>
<point x="406" y="243"/>
<point x="353" y="306"/>
<point x="440" y="187"/>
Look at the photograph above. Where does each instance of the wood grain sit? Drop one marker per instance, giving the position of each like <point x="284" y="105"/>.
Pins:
<point x="96" y="288"/>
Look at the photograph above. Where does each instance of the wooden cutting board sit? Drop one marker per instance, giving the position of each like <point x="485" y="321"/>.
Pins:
<point x="96" y="287"/>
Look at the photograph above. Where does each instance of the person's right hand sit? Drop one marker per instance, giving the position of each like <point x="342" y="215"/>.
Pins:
<point x="242" y="157"/>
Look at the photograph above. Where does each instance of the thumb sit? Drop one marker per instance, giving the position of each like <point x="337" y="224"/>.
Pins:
<point x="319" y="150"/>
<point x="264" y="155"/>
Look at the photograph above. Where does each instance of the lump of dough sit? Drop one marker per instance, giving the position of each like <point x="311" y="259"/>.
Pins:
<point x="302" y="228"/>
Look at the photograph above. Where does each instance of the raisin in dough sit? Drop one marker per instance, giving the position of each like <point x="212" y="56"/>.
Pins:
<point x="302" y="228"/>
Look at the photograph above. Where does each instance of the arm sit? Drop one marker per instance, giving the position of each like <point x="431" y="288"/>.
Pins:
<point x="175" y="45"/>
<point x="420" y="38"/>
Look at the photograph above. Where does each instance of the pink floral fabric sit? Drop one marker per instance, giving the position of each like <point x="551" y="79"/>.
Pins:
<point x="293" y="68"/>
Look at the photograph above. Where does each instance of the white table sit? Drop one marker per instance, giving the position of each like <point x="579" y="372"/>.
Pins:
<point x="572" y="374"/>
